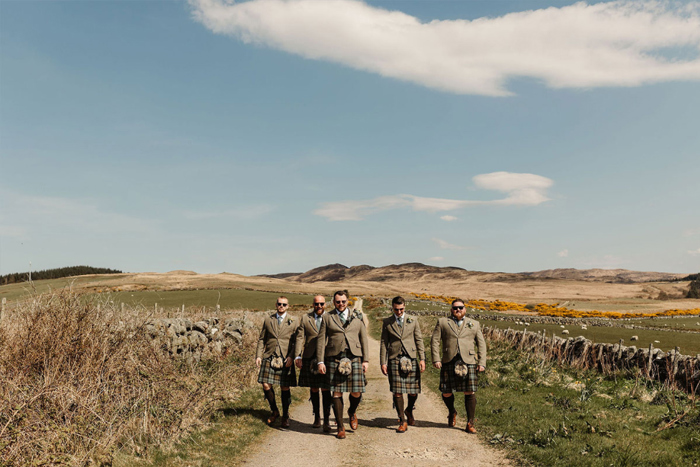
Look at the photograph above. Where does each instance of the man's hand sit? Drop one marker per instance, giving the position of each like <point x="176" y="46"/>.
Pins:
<point x="422" y="366"/>
<point x="437" y="365"/>
<point x="481" y="368"/>
<point x="258" y="362"/>
<point x="384" y="370"/>
<point x="322" y="368"/>
<point x="365" y="367"/>
<point x="288" y="362"/>
<point x="297" y="362"/>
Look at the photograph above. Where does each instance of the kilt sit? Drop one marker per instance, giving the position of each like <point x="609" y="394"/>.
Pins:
<point x="284" y="377"/>
<point x="354" y="382"/>
<point x="400" y="383"/>
<point x="310" y="380"/>
<point x="450" y="382"/>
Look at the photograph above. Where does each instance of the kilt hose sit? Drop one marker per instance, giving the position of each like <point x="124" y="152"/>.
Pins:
<point x="284" y="377"/>
<point x="403" y="383"/>
<point x="310" y="380"/>
<point x="354" y="382"/>
<point x="450" y="382"/>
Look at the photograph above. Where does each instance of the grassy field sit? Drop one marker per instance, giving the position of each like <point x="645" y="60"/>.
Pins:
<point x="545" y="414"/>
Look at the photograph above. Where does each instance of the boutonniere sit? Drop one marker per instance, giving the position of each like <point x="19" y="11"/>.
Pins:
<point x="470" y="324"/>
<point x="290" y="320"/>
<point x="409" y="320"/>
<point x="357" y="315"/>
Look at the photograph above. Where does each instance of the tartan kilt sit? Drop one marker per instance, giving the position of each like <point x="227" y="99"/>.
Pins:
<point x="310" y="380"/>
<point x="354" y="382"/>
<point x="284" y="377"/>
<point x="450" y="382"/>
<point x="400" y="383"/>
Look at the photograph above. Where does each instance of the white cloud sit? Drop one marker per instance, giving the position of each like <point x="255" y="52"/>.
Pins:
<point x="447" y="246"/>
<point x="448" y="218"/>
<point x="436" y="258"/>
<point x="691" y="232"/>
<point x="563" y="253"/>
<point x="694" y="252"/>
<point x="522" y="190"/>
<point x="618" y="43"/>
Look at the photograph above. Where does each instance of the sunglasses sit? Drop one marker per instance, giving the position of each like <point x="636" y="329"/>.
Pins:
<point x="458" y="307"/>
<point x="282" y="304"/>
<point x="399" y="309"/>
<point x="320" y="304"/>
<point x="341" y="301"/>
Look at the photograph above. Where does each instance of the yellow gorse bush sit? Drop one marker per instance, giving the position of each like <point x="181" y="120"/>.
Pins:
<point x="545" y="309"/>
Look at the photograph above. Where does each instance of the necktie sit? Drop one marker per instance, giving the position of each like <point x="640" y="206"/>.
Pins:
<point x="279" y="320"/>
<point x="318" y="322"/>
<point x="400" y="321"/>
<point x="342" y="318"/>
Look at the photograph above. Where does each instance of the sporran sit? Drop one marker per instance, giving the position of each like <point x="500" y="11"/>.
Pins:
<point x="406" y="365"/>
<point x="313" y="366"/>
<point x="461" y="369"/>
<point x="277" y="363"/>
<point x="345" y="366"/>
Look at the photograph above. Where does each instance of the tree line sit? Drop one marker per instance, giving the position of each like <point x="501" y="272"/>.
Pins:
<point x="55" y="273"/>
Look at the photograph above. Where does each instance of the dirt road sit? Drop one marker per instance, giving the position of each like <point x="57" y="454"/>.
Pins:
<point x="376" y="443"/>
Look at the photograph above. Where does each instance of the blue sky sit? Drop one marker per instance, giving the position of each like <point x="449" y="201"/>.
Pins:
<point x="271" y="136"/>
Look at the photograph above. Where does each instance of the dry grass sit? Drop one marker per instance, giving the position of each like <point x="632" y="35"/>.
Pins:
<point x="81" y="381"/>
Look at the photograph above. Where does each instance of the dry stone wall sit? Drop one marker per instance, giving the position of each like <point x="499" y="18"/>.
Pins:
<point x="671" y="368"/>
<point x="198" y="340"/>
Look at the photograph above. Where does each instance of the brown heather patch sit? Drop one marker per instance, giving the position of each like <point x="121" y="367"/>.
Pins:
<point x="81" y="380"/>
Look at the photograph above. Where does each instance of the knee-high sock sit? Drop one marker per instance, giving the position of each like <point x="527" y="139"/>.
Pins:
<point x="270" y="396"/>
<point x="354" y="402"/>
<point x="449" y="402"/>
<point x="315" y="402"/>
<point x="286" y="401"/>
<point x="338" y="411"/>
<point x="470" y="405"/>
<point x="411" y="402"/>
<point x="327" y="402"/>
<point x="398" y="403"/>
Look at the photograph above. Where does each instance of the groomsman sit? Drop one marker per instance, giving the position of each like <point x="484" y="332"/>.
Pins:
<point x="343" y="353"/>
<point x="402" y="358"/>
<point x="274" y="355"/>
<point x="462" y="343"/>
<point x="307" y="363"/>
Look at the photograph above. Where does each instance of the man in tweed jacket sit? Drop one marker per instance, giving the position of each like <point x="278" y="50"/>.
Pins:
<point x="402" y="337"/>
<point x="306" y="358"/>
<point x="462" y="343"/>
<point x="276" y="342"/>
<point x="343" y="335"/>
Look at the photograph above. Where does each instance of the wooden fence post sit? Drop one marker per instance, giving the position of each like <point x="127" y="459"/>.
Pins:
<point x="650" y="361"/>
<point x="2" y="308"/>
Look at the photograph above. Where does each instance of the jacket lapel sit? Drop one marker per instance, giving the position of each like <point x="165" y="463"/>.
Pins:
<point x="275" y="325"/>
<point x="336" y="318"/>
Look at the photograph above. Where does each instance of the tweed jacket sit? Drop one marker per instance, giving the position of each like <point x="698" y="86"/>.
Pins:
<point x="458" y="340"/>
<point x="397" y="339"/>
<point x="333" y="337"/>
<point x="276" y="339"/>
<point x="307" y="336"/>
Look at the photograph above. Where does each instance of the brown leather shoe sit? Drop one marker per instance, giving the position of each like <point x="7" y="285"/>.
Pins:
<point x="275" y="415"/>
<point x="452" y="419"/>
<point x="470" y="428"/>
<point x="341" y="434"/>
<point x="409" y="418"/>
<point x="402" y="428"/>
<point x="285" y="422"/>
<point x="326" y="427"/>
<point x="353" y="422"/>
<point x="317" y="422"/>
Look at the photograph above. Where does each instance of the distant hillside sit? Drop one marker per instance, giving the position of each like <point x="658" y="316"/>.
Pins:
<point x="417" y="271"/>
<point x="54" y="274"/>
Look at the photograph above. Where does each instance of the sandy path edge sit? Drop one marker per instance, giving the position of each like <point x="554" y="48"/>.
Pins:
<point x="375" y="443"/>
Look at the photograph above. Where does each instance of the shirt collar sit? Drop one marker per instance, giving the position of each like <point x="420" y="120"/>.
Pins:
<point x="399" y="318"/>
<point x="278" y="316"/>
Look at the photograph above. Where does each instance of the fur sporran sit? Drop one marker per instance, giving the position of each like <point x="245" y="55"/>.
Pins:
<point x="405" y="365"/>
<point x="461" y="369"/>
<point x="313" y="366"/>
<point x="277" y="363"/>
<point x="345" y="366"/>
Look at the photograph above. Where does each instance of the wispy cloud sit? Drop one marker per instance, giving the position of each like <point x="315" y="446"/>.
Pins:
<point x="436" y="258"/>
<point x="522" y="189"/>
<point x="446" y="245"/>
<point x="448" y="218"/>
<point x="563" y="253"/>
<point x="622" y="43"/>
<point x="694" y="252"/>
<point x="691" y="232"/>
